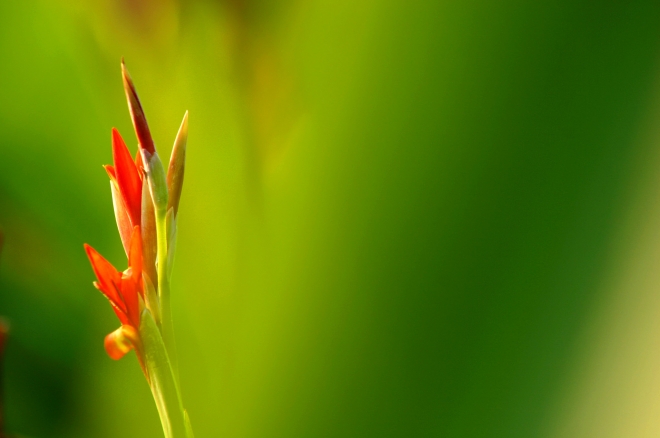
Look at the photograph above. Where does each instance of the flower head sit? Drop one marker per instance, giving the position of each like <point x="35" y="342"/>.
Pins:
<point x="126" y="186"/>
<point x="126" y="295"/>
<point x="142" y="196"/>
<point x="146" y="202"/>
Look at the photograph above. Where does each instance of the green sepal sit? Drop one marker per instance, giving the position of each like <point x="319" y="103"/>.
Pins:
<point x="151" y="298"/>
<point x="171" y="240"/>
<point x="148" y="232"/>
<point x="161" y="378"/>
<point x="155" y="172"/>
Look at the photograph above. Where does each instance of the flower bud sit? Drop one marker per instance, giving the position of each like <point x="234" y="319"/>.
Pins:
<point x="137" y="114"/>
<point x="177" y="166"/>
<point x="155" y="173"/>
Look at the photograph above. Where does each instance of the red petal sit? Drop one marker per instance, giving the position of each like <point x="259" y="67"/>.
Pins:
<point x="111" y="172"/>
<point x="109" y="278"/>
<point x="123" y="318"/>
<point x="129" y="291"/>
<point x="128" y="179"/>
<point x="131" y="284"/>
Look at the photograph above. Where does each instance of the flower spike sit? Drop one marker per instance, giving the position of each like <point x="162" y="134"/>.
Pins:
<point x="146" y="202"/>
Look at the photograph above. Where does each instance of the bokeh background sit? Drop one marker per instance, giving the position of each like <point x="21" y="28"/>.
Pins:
<point x="399" y="219"/>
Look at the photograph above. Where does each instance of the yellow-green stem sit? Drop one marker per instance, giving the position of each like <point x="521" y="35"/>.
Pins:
<point x="162" y="381"/>
<point x="164" y="291"/>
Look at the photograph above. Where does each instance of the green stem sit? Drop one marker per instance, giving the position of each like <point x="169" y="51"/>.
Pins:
<point x="162" y="381"/>
<point x="164" y="290"/>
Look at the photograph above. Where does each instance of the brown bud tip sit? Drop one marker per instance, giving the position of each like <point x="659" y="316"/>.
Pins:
<point x="137" y="114"/>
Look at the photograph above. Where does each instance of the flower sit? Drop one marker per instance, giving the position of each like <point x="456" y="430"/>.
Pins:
<point x="126" y="295"/>
<point x="124" y="290"/>
<point x="134" y="214"/>
<point x="126" y="185"/>
<point x="146" y="202"/>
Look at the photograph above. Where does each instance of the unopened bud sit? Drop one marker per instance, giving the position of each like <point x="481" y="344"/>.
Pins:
<point x="177" y="166"/>
<point x="155" y="173"/>
<point x="137" y="114"/>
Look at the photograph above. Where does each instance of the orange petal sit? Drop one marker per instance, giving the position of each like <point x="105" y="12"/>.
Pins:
<point x="111" y="172"/>
<point x="123" y="318"/>
<point x="120" y="342"/>
<point x="109" y="278"/>
<point x="129" y="290"/>
<point x="137" y="114"/>
<point x="128" y="179"/>
<point x="131" y="284"/>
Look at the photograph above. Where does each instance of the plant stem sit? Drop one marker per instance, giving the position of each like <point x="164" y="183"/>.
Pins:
<point x="164" y="291"/>
<point x="163" y="384"/>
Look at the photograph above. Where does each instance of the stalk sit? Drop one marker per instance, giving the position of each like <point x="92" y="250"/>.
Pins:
<point x="159" y="193"/>
<point x="164" y="290"/>
<point x="162" y="381"/>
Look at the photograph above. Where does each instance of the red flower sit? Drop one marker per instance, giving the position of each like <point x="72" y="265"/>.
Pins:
<point x="124" y="290"/>
<point x="146" y="202"/>
<point x="125" y="293"/>
<point x="126" y="185"/>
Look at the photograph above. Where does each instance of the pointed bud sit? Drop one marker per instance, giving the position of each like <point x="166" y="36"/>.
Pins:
<point x="121" y="341"/>
<point x="177" y="166"/>
<point x="137" y="114"/>
<point x="155" y="173"/>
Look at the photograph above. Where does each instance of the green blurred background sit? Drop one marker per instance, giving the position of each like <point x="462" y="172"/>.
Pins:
<point x="399" y="219"/>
